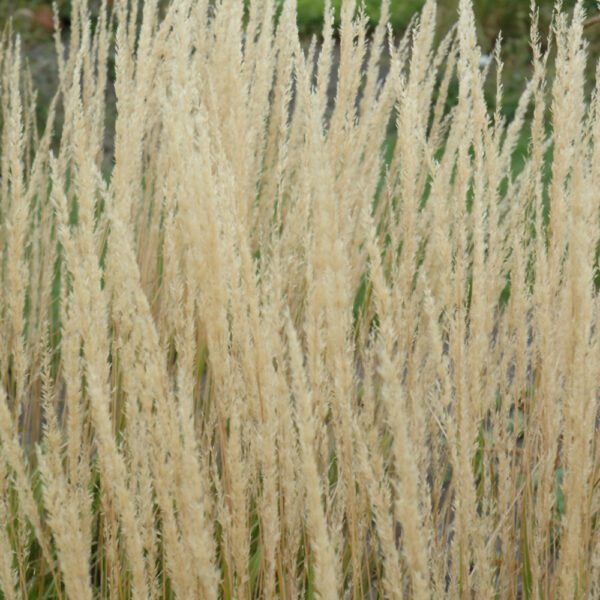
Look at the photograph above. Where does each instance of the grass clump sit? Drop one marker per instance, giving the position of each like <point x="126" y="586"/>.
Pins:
<point x="279" y="351"/>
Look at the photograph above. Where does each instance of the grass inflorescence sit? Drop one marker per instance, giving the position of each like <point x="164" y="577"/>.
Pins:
<point x="296" y="343"/>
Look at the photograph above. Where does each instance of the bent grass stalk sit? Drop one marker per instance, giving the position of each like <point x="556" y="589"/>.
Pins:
<point x="311" y="336"/>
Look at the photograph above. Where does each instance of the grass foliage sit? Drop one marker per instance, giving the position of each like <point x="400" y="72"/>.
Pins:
<point x="296" y="346"/>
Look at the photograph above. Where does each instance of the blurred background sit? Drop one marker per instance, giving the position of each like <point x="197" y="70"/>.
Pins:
<point x="508" y="16"/>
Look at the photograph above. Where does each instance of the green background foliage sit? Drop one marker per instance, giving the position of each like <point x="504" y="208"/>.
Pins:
<point x="508" y="16"/>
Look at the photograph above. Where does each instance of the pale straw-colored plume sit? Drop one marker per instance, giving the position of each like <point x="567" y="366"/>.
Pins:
<point x="307" y="332"/>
